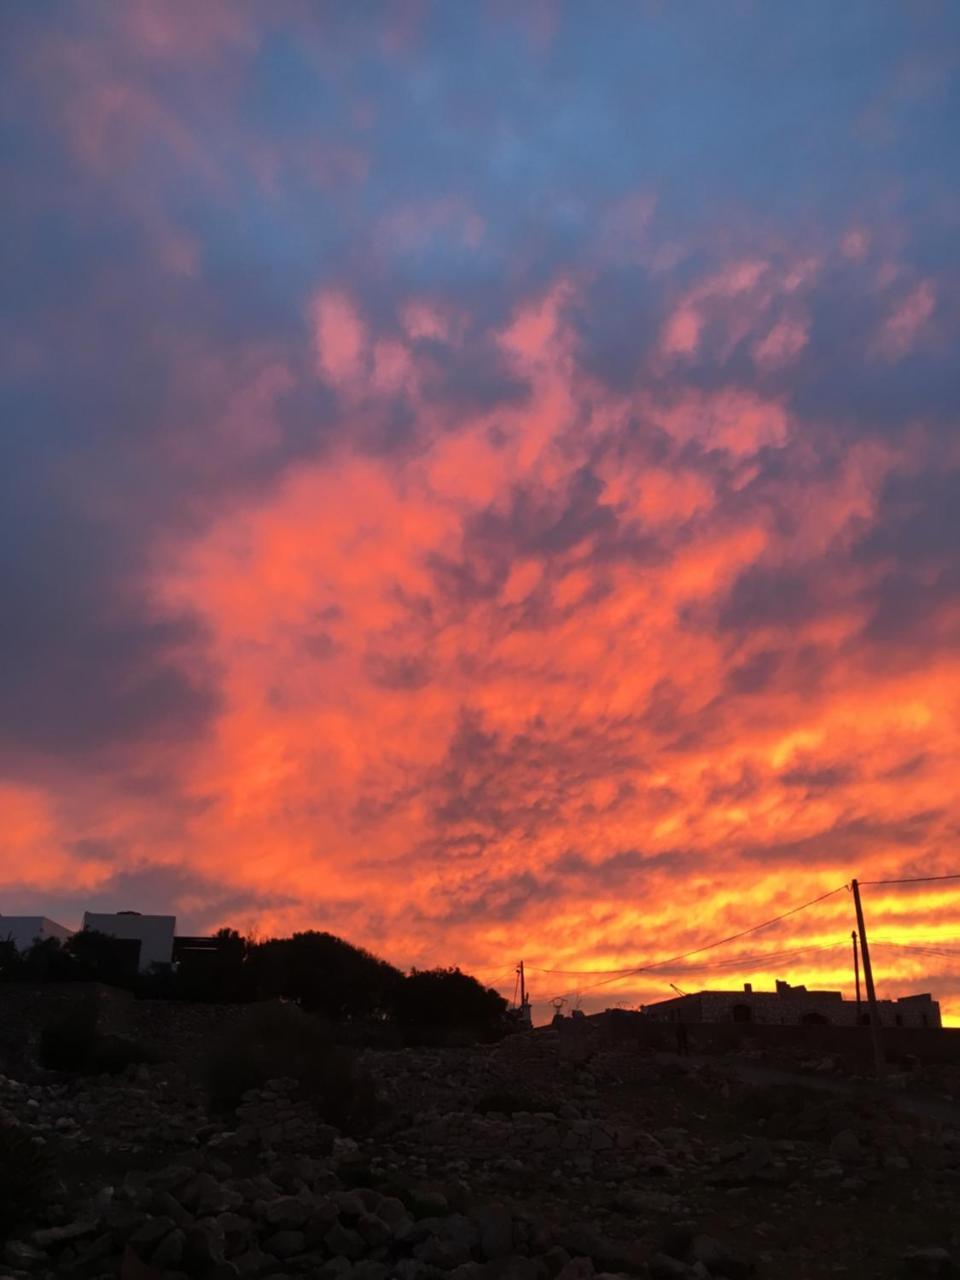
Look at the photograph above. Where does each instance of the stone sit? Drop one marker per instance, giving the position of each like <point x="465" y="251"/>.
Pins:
<point x="555" y="1259"/>
<point x="150" y="1232"/>
<point x="373" y="1229"/>
<point x="845" y="1147"/>
<point x="235" y="1232"/>
<point x="343" y="1240"/>
<point x="288" y="1212"/>
<point x="577" y="1269"/>
<point x="169" y="1252"/>
<point x="26" y="1256"/>
<point x="930" y="1260"/>
<point x="663" y="1267"/>
<point x="719" y="1260"/>
<point x="369" y="1270"/>
<point x="204" y="1243"/>
<point x="495" y="1226"/>
<point x="285" y="1244"/>
<point x="61" y="1235"/>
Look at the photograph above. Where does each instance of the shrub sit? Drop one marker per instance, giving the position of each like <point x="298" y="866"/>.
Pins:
<point x="67" y="1041"/>
<point x="24" y="1173"/>
<point x="72" y="1042"/>
<point x="435" y="1005"/>
<point x="273" y="1040"/>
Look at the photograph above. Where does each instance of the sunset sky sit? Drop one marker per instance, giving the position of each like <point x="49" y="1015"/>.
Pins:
<point x="484" y="479"/>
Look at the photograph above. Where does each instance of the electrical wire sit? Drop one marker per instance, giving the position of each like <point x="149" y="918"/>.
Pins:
<point x="912" y="880"/>
<point x="719" y="942"/>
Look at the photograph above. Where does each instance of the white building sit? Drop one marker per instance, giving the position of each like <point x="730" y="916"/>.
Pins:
<point x="25" y="930"/>
<point x="154" y="933"/>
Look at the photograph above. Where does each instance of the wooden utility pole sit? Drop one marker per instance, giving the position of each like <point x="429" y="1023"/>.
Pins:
<point x="856" y="972"/>
<point x="868" y="979"/>
<point x="525" y="1013"/>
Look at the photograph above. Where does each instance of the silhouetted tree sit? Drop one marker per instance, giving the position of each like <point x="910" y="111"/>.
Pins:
<point x="103" y="958"/>
<point x="325" y="975"/>
<point x="433" y="1001"/>
<point x="46" y="960"/>
<point x="10" y="963"/>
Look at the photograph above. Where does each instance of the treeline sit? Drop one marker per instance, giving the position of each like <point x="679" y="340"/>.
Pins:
<point x="321" y="973"/>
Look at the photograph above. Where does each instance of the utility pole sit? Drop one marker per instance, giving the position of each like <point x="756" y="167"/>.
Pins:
<point x="868" y="979"/>
<point x="856" y="972"/>
<point x="523" y="986"/>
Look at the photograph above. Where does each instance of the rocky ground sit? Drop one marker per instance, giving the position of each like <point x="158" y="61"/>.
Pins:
<point x="532" y="1159"/>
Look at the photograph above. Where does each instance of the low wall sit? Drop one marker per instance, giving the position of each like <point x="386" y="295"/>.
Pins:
<point x="176" y="1028"/>
<point x="928" y="1045"/>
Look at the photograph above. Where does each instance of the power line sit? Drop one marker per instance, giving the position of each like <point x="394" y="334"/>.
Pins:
<point x="913" y="879"/>
<point x="696" y="951"/>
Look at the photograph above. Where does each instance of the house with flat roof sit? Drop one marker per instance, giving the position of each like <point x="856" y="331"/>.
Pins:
<point x="153" y="933"/>
<point x="23" y="931"/>
<point x="788" y="1005"/>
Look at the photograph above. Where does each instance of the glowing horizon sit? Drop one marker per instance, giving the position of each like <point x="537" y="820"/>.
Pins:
<point x="485" y="481"/>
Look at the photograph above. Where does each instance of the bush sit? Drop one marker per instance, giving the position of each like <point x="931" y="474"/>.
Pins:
<point x="269" y="1041"/>
<point x="72" y="1042"/>
<point x="67" y="1042"/>
<point x="442" y="1005"/>
<point x="24" y="1173"/>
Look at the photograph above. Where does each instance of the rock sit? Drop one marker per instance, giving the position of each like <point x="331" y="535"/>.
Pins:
<point x="845" y="1147"/>
<point x="204" y="1243"/>
<point x="150" y="1232"/>
<point x="285" y="1244"/>
<point x="288" y="1212"/>
<point x="60" y="1235"/>
<point x="455" y="1239"/>
<point x="426" y="1204"/>
<point x="495" y="1226"/>
<point x="369" y="1270"/>
<point x="718" y="1259"/>
<point x="169" y="1252"/>
<point x="373" y="1230"/>
<point x="577" y="1269"/>
<point x="930" y="1260"/>
<point x="663" y="1267"/>
<point x="22" y="1255"/>
<point x="235" y="1232"/>
<point x="342" y="1240"/>
<point x="554" y="1260"/>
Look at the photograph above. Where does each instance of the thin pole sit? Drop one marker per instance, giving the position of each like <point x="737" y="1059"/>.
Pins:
<point x="868" y="979"/>
<point x="523" y="988"/>
<point x="856" y="972"/>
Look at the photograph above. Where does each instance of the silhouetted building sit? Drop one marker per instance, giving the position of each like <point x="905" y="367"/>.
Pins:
<point x="153" y="933"/>
<point x="25" y="930"/>
<point x="793" y="1006"/>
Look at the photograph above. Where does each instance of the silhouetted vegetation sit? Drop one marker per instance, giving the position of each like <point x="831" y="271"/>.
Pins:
<point x="87" y="956"/>
<point x="325" y="975"/>
<point x="370" y="1001"/>
<point x="72" y="1042"/>
<point x="276" y="1040"/>
<point x="434" y="1004"/>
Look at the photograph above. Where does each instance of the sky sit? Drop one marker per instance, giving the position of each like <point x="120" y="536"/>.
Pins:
<point x="484" y="480"/>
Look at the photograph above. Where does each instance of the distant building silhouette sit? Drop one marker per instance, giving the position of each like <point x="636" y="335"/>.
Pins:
<point x="25" y="930"/>
<point x="792" y="1006"/>
<point x="155" y="934"/>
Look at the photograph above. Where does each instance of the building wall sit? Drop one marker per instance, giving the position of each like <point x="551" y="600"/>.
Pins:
<point x="155" y="933"/>
<point x="25" y="929"/>
<point x="768" y="1008"/>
